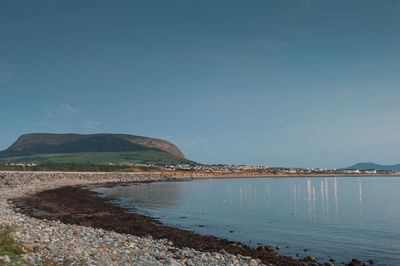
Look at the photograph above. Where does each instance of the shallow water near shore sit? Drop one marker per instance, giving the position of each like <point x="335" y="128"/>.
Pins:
<point x="333" y="218"/>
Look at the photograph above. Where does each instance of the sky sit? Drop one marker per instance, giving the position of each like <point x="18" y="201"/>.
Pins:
<point x="280" y="83"/>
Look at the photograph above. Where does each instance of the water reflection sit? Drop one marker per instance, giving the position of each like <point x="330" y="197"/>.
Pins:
<point x="336" y="197"/>
<point x="255" y="197"/>
<point x="317" y="197"/>
<point x="163" y="196"/>
<point x="314" y="199"/>
<point x="322" y="198"/>
<point x="361" y="196"/>
<point x="326" y="196"/>
<point x="295" y="199"/>
<point x="309" y="195"/>
<point x="317" y="203"/>
<point x="267" y="193"/>
<point x="230" y="199"/>
<point x="241" y="197"/>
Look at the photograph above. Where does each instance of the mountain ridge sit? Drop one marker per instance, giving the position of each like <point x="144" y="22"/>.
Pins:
<point x="30" y="146"/>
<point x="375" y="166"/>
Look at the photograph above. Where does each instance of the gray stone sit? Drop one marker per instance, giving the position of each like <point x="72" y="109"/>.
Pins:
<point x="5" y="259"/>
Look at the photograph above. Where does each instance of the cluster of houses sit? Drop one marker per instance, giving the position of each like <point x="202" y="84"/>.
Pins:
<point x="21" y="164"/>
<point x="218" y="168"/>
<point x="223" y="168"/>
<point x="368" y="171"/>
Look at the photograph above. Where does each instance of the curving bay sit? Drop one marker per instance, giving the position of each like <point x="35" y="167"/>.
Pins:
<point x="331" y="218"/>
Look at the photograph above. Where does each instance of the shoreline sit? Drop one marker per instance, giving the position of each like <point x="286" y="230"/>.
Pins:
<point x="40" y="177"/>
<point x="84" y="219"/>
<point x="53" y="205"/>
<point x="194" y="174"/>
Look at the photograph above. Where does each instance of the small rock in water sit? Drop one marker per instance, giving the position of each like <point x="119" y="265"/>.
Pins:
<point x="231" y="231"/>
<point x="278" y="247"/>
<point x="355" y="262"/>
<point x="371" y="261"/>
<point x="311" y="258"/>
<point x="269" y="248"/>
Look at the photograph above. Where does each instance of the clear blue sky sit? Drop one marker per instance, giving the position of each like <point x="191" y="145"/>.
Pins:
<point x="280" y="83"/>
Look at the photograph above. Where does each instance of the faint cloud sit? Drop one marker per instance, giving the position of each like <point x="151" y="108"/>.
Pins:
<point x="258" y="44"/>
<point x="64" y="110"/>
<point x="393" y="104"/>
<point x="6" y="71"/>
<point x="347" y="94"/>
<point x="269" y="44"/>
<point x="166" y="137"/>
<point x="192" y="141"/>
<point x="90" y="124"/>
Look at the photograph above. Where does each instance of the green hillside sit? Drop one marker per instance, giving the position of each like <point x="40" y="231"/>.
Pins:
<point x="91" y="149"/>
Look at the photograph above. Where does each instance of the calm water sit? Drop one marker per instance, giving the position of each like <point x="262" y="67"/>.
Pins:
<point x="340" y="218"/>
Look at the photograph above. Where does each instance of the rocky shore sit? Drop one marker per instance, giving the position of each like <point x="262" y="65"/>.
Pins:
<point x="76" y="243"/>
<point x="15" y="179"/>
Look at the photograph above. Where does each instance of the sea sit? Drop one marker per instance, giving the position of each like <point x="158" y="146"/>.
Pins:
<point x="329" y="218"/>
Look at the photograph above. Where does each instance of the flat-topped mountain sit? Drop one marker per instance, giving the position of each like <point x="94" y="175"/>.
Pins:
<point x="92" y="148"/>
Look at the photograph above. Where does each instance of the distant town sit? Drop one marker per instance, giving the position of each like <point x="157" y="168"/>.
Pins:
<point x="232" y="169"/>
<point x="223" y="168"/>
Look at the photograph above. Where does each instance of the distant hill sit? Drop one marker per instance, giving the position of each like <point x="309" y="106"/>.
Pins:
<point x="366" y="166"/>
<point x="94" y="148"/>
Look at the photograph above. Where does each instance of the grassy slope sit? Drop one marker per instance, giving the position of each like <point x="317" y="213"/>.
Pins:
<point x="7" y="244"/>
<point x="154" y="157"/>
